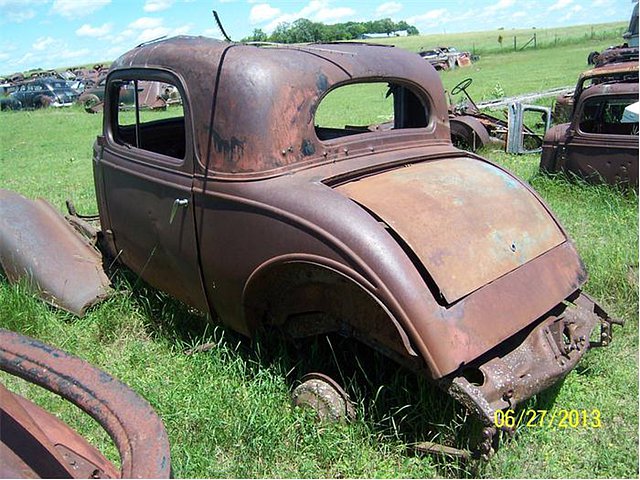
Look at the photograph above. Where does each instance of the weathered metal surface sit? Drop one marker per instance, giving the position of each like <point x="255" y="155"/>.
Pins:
<point x="525" y="97"/>
<point x="438" y="449"/>
<point x="325" y="396"/>
<point x="284" y="84"/>
<point x="468" y="133"/>
<point x="513" y="135"/>
<point x="530" y="362"/>
<point x="468" y="222"/>
<point x="615" y="73"/>
<point x="34" y="443"/>
<point x="444" y="258"/>
<point x="37" y="245"/>
<point x="518" y="134"/>
<point x="598" y="145"/>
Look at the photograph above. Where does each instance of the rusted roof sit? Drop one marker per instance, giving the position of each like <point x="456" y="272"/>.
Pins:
<point x="264" y="98"/>
<point x="613" y="69"/>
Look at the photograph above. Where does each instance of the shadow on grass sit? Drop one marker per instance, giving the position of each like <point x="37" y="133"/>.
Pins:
<point x="398" y="406"/>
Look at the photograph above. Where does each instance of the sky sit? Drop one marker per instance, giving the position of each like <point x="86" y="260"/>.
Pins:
<point x="62" y="33"/>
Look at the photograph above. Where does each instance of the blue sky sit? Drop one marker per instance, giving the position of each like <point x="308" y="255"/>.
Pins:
<point x="54" y="33"/>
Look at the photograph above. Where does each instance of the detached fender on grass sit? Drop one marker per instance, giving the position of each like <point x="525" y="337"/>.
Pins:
<point x="38" y="245"/>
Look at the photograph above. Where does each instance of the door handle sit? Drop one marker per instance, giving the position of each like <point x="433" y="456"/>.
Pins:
<point x="178" y="202"/>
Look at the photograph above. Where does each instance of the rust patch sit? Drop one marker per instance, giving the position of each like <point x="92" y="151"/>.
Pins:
<point x="37" y="244"/>
<point x="467" y="221"/>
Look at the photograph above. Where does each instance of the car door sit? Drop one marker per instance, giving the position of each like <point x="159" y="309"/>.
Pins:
<point x="601" y="143"/>
<point x="146" y="174"/>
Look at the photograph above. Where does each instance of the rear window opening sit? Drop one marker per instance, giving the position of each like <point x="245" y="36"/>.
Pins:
<point x="368" y="107"/>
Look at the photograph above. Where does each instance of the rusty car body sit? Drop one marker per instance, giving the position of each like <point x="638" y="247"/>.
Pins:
<point x="473" y="128"/>
<point x="623" y="71"/>
<point x="599" y="143"/>
<point x="242" y="203"/>
<point x="446" y="58"/>
<point x="36" y="444"/>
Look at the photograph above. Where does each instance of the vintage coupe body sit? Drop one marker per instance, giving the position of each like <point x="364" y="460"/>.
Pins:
<point x="600" y="141"/>
<point x="245" y="202"/>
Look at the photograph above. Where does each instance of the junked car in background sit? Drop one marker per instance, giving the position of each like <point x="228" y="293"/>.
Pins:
<point x="600" y="142"/>
<point x="265" y="199"/>
<point x="446" y="58"/>
<point x="473" y="128"/>
<point x="41" y="92"/>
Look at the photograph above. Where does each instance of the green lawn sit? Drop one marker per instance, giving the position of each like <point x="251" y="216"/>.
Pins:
<point x="227" y="409"/>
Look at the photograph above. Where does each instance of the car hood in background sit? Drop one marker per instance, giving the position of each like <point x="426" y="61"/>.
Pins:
<point x="466" y="220"/>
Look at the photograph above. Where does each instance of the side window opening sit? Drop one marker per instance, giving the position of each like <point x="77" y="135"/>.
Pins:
<point x="150" y="117"/>
<point x="366" y="107"/>
<point x="607" y="116"/>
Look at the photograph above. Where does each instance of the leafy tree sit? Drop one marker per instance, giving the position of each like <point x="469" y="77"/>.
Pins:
<point x="257" y="36"/>
<point x="305" y="31"/>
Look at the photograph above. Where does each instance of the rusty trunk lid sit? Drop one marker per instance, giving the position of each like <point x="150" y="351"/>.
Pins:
<point x="467" y="221"/>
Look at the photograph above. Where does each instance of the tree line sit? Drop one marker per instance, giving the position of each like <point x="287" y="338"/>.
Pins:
<point x="306" y="31"/>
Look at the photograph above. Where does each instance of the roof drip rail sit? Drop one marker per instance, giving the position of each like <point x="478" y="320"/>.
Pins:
<point x="151" y="41"/>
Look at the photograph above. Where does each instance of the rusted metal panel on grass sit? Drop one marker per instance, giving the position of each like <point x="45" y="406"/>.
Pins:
<point x="39" y="246"/>
<point x="34" y="443"/>
<point x="467" y="221"/>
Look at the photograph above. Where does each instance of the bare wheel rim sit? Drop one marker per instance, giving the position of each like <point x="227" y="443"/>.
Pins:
<point x="325" y="396"/>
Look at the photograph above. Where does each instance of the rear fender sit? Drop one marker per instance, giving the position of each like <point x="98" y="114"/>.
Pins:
<point x="304" y="298"/>
<point x="39" y="246"/>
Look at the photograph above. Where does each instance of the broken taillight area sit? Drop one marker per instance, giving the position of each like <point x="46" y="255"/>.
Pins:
<point x="532" y="360"/>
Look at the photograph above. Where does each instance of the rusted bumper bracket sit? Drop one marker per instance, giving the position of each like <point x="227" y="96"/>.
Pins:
<point x="532" y="361"/>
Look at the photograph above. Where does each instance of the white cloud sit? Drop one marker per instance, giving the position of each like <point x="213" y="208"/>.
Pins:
<point x="87" y="30"/>
<point x="20" y="16"/>
<point x="316" y="11"/>
<point x="43" y="43"/>
<point x="146" y="22"/>
<point x="388" y="8"/>
<point x="519" y="15"/>
<point x="333" y="14"/>
<point x="560" y="4"/>
<point x="262" y="12"/>
<point x="150" y="28"/>
<point x="18" y="11"/>
<point x="601" y="3"/>
<point x="157" y="5"/>
<point x="429" y="16"/>
<point x="153" y="33"/>
<point x="498" y="7"/>
<point x="77" y="8"/>
<point x="572" y="11"/>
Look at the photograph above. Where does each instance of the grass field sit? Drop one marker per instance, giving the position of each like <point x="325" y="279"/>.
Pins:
<point x="227" y="410"/>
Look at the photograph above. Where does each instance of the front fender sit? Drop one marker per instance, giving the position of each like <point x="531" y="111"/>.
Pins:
<point x="38" y="245"/>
